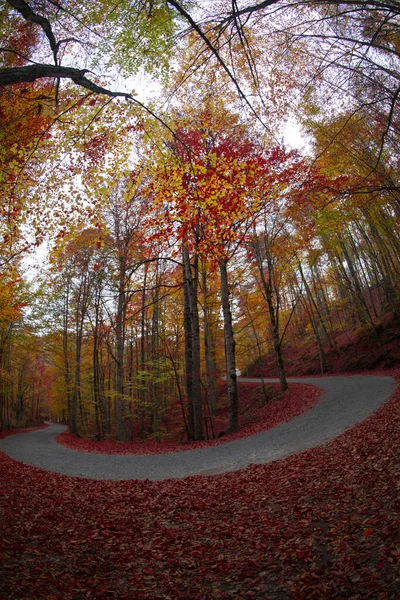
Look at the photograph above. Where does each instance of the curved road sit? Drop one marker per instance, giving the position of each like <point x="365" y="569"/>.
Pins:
<point x="345" y="402"/>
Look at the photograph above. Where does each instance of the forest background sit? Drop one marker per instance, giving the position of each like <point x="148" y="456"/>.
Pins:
<point x="185" y="240"/>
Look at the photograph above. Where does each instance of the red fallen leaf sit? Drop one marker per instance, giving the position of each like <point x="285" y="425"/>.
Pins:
<point x="368" y="532"/>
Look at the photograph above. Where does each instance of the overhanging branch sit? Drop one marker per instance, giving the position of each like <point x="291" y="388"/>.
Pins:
<point x="29" y="73"/>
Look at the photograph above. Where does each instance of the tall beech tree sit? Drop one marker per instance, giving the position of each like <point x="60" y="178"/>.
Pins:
<point x="210" y="320"/>
<point x="207" y="197"/>
<point x="192" y="341"/>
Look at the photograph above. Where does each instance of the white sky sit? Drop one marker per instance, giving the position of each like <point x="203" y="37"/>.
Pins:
<point x="294" y="137"/>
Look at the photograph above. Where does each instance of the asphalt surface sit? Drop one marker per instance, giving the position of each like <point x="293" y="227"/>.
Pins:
<point x="345" y="402"/>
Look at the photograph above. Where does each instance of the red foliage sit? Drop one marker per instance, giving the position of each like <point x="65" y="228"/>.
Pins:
<point x="322" y="524"/>
<point x="299" y="398"/>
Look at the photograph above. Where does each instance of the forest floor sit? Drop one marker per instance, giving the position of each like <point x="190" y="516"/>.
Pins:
<point x="352" y="350"/>
<point x="321" y="524"/>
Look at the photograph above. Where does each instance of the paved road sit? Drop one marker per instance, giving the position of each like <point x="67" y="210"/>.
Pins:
<point x="345" y="401"/>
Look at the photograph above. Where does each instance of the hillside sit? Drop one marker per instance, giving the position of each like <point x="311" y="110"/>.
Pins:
<point x="352" y="351"/>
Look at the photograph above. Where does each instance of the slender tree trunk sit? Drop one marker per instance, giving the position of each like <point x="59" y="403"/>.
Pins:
<point x="156" y="404"/>
<point x="81" y="307"/>
<point x="77" y="379"/>
<point x="104" y="400"/>
<point x="358" y="297"/>
<point x="209" y="350"/>
<point x="277" y="344"/>
<point x="71" y="407"/>
<point x="120" y="356"/>
<point x="188" y="360"/>
<point x="142" y="382"/>
<point x="314" y="305"/>
<point x="267" y="286"/>
<point x="96" y="370"/>
<point x="230" y="358"/>
<point x="191" y="284"/>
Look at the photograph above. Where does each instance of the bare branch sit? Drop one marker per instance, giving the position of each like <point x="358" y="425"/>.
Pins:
<point x="216" y="54"/>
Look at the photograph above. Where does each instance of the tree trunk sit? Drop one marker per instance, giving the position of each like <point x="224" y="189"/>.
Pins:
<point x="267" y="286"/>
<point x="71" y="408"/>
<point x="120" y="355"/>
<point x="188" y="359"/>
<point x="230" y="358"/>
<point x="96" y="370"/>
<point x="155" y="384"/>
<point x="209" y="350"/>
<point x="192" y="353"/>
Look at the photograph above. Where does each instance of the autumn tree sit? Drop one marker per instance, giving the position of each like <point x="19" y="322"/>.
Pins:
<point x="366" y="241"/>
<point x="125" y="244"/>
<point x="206" y="195"/>
<point x="24" y="375"/>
